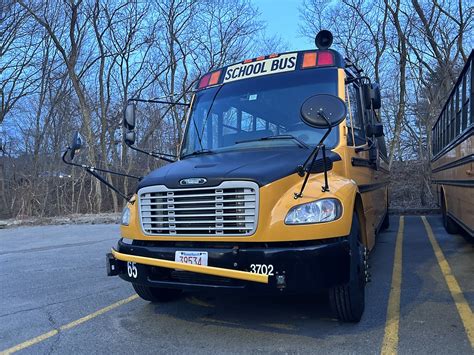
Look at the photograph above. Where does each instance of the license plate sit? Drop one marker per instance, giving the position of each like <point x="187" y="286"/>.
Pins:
<point x="191" y="257"/>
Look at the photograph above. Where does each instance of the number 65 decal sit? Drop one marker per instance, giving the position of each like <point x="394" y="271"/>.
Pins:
<point x="132" y="269"/>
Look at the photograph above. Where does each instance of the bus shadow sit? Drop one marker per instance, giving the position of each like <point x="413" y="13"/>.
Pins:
<point x="308" y="316"/>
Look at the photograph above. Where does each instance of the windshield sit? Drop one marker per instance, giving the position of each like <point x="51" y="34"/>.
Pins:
<point x="237" y="115"/>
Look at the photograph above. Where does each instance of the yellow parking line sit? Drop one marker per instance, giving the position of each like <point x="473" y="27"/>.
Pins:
<point x="462" y="306"/>
<point x="390" y="339"/>
<point x="67" y="326"/>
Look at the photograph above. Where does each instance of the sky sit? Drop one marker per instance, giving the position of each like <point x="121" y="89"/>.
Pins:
<point x="282" y="18"/>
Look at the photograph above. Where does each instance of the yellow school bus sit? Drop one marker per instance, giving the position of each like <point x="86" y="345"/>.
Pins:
<point x="280" y="185"/>
<point x="453" y="155"/>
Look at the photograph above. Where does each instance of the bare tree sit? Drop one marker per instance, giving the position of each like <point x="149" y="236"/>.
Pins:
<point x="18" y="45"/>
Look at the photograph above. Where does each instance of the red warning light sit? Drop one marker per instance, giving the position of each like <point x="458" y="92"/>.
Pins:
<point x="325" y="58"/>
<point x="204" y="81"/>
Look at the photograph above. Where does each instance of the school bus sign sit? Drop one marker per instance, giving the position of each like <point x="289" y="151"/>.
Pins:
<point x="280" y="64"/>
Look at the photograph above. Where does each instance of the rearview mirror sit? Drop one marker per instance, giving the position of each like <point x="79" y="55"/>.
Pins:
<point x="129" y="116"/>
<point x="323" y="111"/>
<point x="372" y="97"/>
<point x="376" y="96"/>
<point x="129" y="138"/>
<point x="375" y="130"/>
<point x="76" y="145"/>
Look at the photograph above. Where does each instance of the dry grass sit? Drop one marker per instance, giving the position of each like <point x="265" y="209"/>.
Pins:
<point x="408" y="189"/>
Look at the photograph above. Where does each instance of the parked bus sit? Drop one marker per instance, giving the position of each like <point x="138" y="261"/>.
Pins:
<point x="280" y="185"/>
<point x="453" y="155"/>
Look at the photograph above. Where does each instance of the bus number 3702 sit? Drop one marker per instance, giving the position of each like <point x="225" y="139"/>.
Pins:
<point x="263" y="269"/>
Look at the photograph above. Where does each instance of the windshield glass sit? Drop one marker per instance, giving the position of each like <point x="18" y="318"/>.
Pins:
<point x="236" y="115"/>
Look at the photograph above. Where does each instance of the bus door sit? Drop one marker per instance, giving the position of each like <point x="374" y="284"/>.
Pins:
<point x="359" y="167"/>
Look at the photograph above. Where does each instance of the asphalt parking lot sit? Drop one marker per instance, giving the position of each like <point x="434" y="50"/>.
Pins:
<point x="56" y="298"/>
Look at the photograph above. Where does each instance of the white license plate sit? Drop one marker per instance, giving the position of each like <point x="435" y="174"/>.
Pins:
<point x="191" y="257"/>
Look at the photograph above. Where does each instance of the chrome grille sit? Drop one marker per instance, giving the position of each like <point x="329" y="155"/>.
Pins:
<point x="228" y="209"/>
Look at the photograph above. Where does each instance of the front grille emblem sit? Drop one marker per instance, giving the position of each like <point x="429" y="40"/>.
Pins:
<point x="192" y="181"/>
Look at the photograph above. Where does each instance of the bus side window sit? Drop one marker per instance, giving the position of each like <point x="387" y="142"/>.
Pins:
<point x="354" y="101"/>
<point x="466" y="95"/>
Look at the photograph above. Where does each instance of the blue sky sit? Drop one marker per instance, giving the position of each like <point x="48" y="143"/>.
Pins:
<point x="282" y="18"/>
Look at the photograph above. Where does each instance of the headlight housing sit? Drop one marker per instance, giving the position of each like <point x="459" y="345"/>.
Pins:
<point x="125" y="216"/>
<point x="319" y="211"/>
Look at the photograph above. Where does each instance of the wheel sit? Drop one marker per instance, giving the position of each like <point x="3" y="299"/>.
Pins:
<point x="449" y="224"/>
<point x="386" y="219"/>
<point x="385" y="222"/>
<point x="348" y="300"/>
<point x="156" y="294"/>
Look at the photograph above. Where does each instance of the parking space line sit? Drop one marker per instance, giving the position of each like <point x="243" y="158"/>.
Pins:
<point x="390" y="339"/>
<point x="462" y="306"/>
<point x="67" y="326"/>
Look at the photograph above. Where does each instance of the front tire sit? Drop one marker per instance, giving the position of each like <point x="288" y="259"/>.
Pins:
<point x="156" y="294"/>
<point x="386" y="219"/>
<point x="449" y="224"/>
<point x="385" y="222"/>
<point x="348" y="300"/>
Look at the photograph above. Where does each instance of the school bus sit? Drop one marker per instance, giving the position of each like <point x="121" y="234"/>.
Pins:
<point x="453" y="155"/>
<point x="280" y="185"/>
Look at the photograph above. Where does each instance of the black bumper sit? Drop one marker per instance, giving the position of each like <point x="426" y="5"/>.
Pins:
<point x="304" y="266"/>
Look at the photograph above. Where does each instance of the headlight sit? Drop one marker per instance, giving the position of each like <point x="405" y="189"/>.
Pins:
<point x="319" y="211"/>
<point x="126" y="216"/>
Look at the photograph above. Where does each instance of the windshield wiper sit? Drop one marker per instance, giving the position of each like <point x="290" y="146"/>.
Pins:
<point x="280" y="136"/>
<point x="198" y="152"/>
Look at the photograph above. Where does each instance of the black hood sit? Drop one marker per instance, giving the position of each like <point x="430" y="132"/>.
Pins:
<point x="262" y="166"/>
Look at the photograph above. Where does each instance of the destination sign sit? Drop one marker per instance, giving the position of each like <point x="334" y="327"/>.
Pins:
<point x="283" y="63"/>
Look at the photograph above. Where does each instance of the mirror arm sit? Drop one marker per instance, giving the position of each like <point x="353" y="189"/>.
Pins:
<point x="314" y="154"/>
<point x="361" y="149"/>
<point x="365" y="149"/>
<point x="162" y="156"/>
<point x="93" y="168"/>
<point x="325" y="188"/>
<point x="106" y="183"/>
<point x="358" y="78"/>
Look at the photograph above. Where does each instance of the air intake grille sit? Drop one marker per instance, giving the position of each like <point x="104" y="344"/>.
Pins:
<point x="228" y="209"/>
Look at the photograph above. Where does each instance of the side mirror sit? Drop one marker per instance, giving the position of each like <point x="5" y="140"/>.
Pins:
<point x="376" y="96"/>
<point x="367" y="94"/>
<point x="76" y="145"/>
<point x="129" y="137"/>
<point x="375" y="130"/>
<point x="372" y="97"/>
<point x="318" y="107"/>
<point x="129" y="116"/>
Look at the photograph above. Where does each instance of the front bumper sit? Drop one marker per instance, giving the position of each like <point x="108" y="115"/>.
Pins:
<point x="296" y="266"/>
